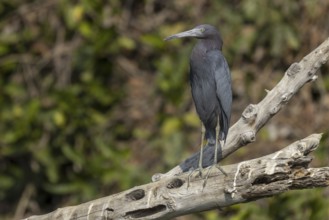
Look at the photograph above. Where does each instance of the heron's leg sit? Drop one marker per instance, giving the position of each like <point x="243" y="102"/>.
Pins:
<point x="189" y="178"/>
<point x="216" y="150"/>
<point x="215" y="157"/>
<point x="201" y="149"/>
<point x="200" y="168"/>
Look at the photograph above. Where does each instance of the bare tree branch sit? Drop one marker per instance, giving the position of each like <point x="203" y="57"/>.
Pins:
<point x="170" y="197"/>
<point x="176" y="193"/>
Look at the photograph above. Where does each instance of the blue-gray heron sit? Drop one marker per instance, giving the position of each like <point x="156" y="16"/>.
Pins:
<point x="210" y="81"/>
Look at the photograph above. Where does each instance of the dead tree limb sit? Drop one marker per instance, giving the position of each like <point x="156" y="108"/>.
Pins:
<point x="173" y="195"/>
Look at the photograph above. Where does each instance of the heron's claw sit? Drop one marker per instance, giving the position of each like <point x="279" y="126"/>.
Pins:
<point x="208" y="173"/>
<point x="200" y="173"/>
<point x="221" y="169"/>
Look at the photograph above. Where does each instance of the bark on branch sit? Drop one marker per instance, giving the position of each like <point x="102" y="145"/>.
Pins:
<point x="176" y="193"/>
<point x="174" y="196"/>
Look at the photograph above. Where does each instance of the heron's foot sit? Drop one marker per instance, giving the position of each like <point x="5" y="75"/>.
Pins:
<point x="220" y="169"/>
<point x="198" y="172"/>
<point x="208" y="173"/>
<point x="201" y="171"/>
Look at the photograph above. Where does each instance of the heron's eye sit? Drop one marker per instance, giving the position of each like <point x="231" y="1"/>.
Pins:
<point x="202" y="30"/>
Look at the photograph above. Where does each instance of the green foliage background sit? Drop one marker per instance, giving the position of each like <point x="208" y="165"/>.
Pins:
<point x="93" y="101"/>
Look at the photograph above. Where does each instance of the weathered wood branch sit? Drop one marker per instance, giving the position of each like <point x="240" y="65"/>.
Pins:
<point x="176" y="193"/>
<point x="255" y="116"/>
<point x="174" y="196"/>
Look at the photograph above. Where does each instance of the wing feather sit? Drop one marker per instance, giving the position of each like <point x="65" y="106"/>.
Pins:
<point x="222" y="77"/>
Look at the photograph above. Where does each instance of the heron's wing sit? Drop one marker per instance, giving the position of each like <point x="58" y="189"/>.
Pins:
<point x="203" y="87"/>
<point x="223" y="89"/>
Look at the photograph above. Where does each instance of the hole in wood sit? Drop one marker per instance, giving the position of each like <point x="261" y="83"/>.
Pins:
<point x="109" y="210"/>
<point x="136" y="194"/>
<point x="261" y="180"/>
<point x="175" y="183"/>
<point x="266" y="179"/>
<point x="146" y="212"/>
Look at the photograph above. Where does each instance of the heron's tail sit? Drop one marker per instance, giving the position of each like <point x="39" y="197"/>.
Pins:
<point x="224" y="126"/>
<point x="211" y="136"/>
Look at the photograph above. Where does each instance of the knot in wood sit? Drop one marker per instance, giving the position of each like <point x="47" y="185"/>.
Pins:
<point x="317" y="65"/>
<point x="293" y="69"/>
<point x="275" y="109"/>
<point x="296" y="155"/>
<point x="315" y="77"/>
<point x="244" y="170"/>
<point x="300" y="173"/>
<point x="286" y="96"/>
<point x="247" y="137"/>
<point x="301" y="147"/>
<point x="324" y="60"/>
<point x="156" y="177"/>
<point x="314" y="68"/>
<point x="250" y="113"/>
<point x="325" y="50"/>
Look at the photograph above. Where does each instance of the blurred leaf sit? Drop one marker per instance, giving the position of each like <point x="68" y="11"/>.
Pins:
<point x="66" y="188"/>
<point x="153" y="40"/>
<point x="86" y="29"/>
<point x="3" y="49"/>
<point x="72" y="154"/>
<point x="192" y="119"/>
<point x="167" y="30"/>
<point x="77" y="13"/>
<point x="6" y="182"/>
<point x="126" y="43"/>
<point x="170" y="126"/>
<point x="59" y="118"/>
<point x="292" y="38"/>
<point x="17" y="111"/>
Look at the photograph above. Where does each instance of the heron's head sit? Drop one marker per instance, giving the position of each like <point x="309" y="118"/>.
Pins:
<point x="203" y="31"/>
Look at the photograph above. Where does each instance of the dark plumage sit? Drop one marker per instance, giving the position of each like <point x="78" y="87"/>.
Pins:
<point x="210" y="81"/>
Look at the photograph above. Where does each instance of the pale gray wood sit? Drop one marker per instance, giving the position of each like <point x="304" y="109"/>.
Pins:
<point x="278" y="172"/>
<point x="176" y="193"/>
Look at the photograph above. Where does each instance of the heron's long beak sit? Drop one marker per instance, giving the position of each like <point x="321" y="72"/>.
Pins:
<point x="195" y="32"/>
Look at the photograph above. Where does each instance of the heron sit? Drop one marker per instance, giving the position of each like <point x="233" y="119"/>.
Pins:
<point x="210" y="82"/>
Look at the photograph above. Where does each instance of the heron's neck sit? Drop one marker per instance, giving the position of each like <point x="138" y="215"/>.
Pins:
<point x="210" y="44"/>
